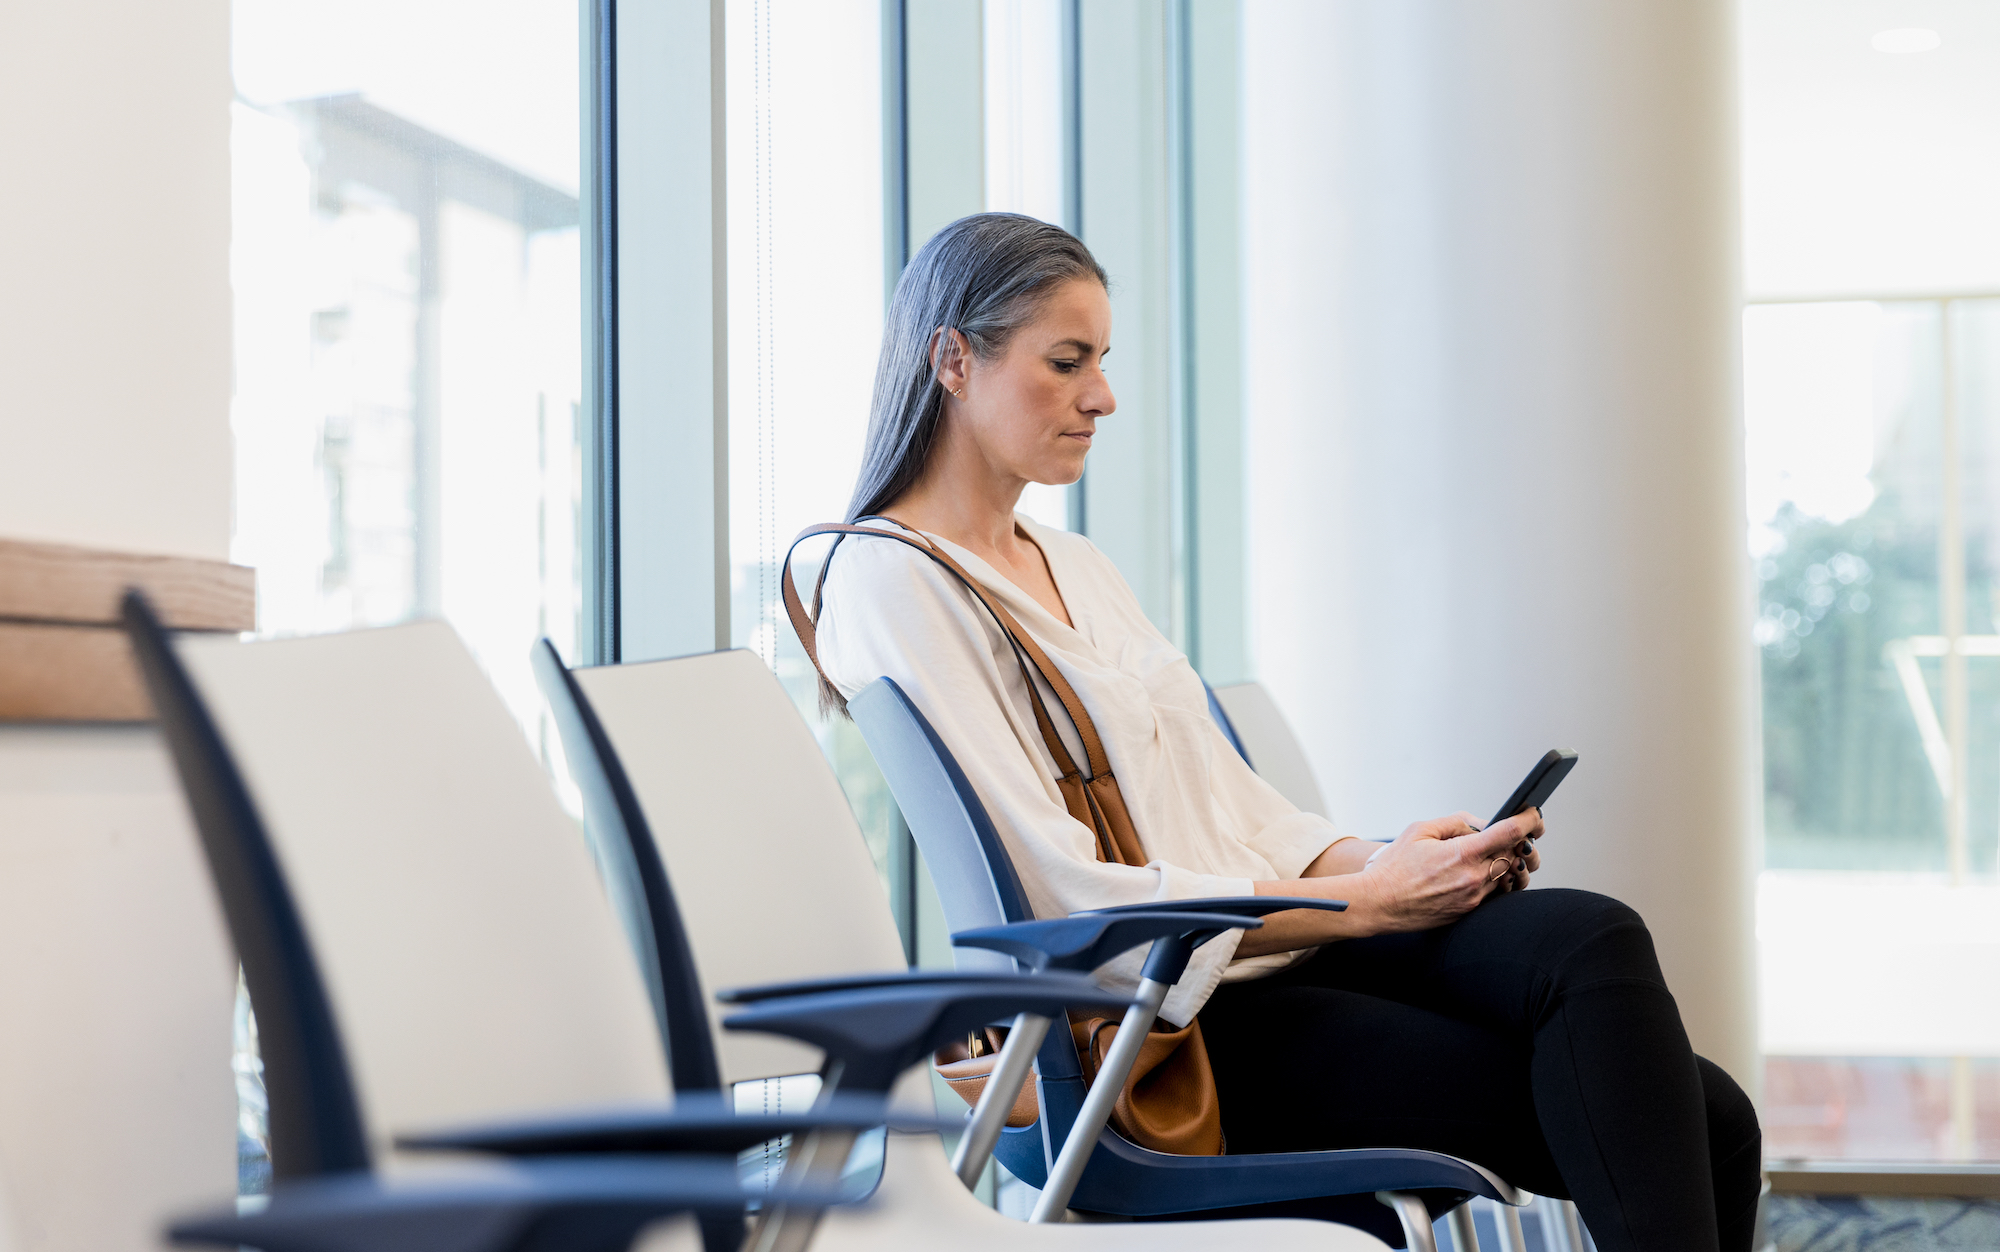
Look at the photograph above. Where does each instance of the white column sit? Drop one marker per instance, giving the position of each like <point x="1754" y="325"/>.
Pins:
<point x="117" y="1106"/>
<point x="1494" y="440"/>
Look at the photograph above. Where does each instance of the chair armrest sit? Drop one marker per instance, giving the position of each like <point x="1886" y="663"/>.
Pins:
<point x="1168" y="960"/>
<point x="1236" y="906"/>
<point x="702" y="1122"/>
<point x="870" y="1036"/>
<point x="575" y="1202"/>
<point x="1084" y="941"/>
<point x="847" y="982"/>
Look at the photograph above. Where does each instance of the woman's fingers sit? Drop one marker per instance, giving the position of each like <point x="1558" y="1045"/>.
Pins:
<point x="1523" y="825"/>
<point x="1483" y="845"/>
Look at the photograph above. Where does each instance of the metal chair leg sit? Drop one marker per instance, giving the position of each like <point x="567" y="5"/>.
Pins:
<point x="989" y="1117"/>
<point x="1464" y="1235"/>
<point x="1555" y="1225"/>
<point x="1415" y="1217"/>
<point x="1507" y="1225"/>
<point x="1573" y="1228"/>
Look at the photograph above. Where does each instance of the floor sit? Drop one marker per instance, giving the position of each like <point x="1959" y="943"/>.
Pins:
<point x="1850" y="1224"/>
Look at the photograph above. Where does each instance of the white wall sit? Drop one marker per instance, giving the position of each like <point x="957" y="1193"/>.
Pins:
<point x="1494" y="443"/>
<point x="116" y="982"/>
<point x="114" y="239"/>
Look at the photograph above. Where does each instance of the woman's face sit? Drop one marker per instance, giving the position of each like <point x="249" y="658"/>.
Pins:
<point x="1032" y="410"/>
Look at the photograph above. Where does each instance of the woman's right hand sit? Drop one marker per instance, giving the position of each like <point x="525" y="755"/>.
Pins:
<point x="1437" y="871"/>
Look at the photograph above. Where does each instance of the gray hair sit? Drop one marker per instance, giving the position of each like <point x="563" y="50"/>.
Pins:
<point x="984" y="276"/>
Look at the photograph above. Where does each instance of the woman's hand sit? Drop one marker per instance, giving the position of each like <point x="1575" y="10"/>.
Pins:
<point x="1438" y="871"/>
<point x="1434" y="873"/>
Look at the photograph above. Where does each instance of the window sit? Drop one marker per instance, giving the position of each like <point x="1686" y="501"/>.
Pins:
<point x="408" y="344"/>
<point x="1870" y="351"/>
<point x="1872" y="488"/>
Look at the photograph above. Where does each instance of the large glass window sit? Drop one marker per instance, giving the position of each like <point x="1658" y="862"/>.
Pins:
<point x="408" y="342"/>
<point x="1872" y="484"/>
<point x="1871" y="346"/>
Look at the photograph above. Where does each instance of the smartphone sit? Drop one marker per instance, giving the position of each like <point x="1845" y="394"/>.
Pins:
<point x="1539" y="785"/>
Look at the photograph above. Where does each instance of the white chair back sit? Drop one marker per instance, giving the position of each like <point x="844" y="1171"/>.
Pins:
<point x="1274" y="750"/>
<point x="772" y="876"/>
<point x="472" y="962"/>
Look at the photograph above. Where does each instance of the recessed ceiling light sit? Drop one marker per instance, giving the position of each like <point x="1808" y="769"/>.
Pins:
<point x="1907" y="39"/>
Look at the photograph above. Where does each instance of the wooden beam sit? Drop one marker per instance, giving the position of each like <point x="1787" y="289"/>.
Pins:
<point x="55" y="582"/>
<point x="63" y="655"/>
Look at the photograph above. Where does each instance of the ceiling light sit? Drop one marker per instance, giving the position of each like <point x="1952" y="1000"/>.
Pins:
<point x="1906" y="39"/>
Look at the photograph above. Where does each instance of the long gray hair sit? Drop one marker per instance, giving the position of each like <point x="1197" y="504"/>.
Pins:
<point x="984" y="276"/>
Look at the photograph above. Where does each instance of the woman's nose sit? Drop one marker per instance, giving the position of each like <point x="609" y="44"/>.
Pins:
<point x="1099" y="401"/>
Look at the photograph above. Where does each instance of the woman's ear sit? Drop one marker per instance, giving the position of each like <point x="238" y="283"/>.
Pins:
<point x="949" y="353"/>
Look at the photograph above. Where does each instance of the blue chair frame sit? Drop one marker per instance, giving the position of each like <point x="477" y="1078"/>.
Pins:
<point x="1227" y="727"/>
<point x="978" y="886"/>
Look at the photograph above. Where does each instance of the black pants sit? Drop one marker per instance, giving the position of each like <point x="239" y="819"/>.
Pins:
<point x="1534" y="1036"/>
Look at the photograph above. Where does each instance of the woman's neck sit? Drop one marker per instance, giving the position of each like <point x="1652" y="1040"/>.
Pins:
<point x="968" y="504"/>
<point x="961" y="499"/>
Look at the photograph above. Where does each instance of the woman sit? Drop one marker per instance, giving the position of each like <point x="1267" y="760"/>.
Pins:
<point x="1446" y="1009"/>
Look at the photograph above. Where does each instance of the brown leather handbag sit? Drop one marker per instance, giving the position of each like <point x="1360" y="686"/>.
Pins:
<point x="1169" y="1103"/>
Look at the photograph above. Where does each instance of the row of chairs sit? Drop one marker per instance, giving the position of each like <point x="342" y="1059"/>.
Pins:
<point x="435" y="970"/>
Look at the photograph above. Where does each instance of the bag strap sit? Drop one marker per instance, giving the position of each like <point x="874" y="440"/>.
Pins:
<point x="1026" y="650"/>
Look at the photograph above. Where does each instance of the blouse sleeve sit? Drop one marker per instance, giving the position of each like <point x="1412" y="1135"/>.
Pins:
<point x="891" y="611"/>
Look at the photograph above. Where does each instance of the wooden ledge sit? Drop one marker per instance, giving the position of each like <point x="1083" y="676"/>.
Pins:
<point x="63" y="655"/>
<point x="1969" y="1181"/>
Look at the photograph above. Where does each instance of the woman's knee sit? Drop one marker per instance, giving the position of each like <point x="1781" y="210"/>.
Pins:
<point x="1732" y="1119"/>
<point x="1592" y="937"/>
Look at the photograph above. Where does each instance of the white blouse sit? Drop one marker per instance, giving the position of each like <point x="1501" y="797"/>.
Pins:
<point x="1210" y="825"/>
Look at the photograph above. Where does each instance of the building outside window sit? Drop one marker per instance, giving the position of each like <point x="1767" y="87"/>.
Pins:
<point x="408" y="330"/>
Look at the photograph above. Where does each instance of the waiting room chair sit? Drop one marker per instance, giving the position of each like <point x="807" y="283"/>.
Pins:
<point x="1250" y="720"/>
<point x="978" y="887"/>
<point x="727" y="784"/>
<point x="426" y="943"/>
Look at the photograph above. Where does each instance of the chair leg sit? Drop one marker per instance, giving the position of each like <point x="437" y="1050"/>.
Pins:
<point x="1555" y="1225"/>
<point x="1507" y="1224"/>
<point x="1573" y="1227"/>
<point x="1415" y="1217"/>
<point x="1464" y="1235"/>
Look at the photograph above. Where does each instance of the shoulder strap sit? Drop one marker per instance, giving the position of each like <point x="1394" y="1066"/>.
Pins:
<point x="1026" y="650"/>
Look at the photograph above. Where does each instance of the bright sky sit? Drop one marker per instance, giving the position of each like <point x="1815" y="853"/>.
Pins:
<point x="499" y="76"/>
